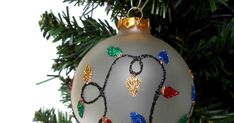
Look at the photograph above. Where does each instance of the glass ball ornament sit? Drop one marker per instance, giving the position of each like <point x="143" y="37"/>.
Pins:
<point x="132" y="77"/>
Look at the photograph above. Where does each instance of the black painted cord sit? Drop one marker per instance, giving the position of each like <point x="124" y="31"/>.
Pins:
<point x="135" y="59"/>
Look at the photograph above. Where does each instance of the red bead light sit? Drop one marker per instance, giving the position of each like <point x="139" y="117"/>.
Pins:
<point x="169" y="92"/>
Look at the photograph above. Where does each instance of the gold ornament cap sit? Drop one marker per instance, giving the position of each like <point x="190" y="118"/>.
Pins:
<point x="131" y="22"/>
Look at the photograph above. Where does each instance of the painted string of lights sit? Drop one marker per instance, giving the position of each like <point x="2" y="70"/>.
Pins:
<point x="133" y="86"/>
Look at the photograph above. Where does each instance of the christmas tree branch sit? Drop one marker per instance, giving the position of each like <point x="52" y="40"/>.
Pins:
<point x="49" y="116"/>
<point x="74" y="40"/>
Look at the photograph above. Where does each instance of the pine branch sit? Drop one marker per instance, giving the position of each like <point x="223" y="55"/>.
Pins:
<point x="212" y="116"/>
<point x="75" y="41"/>
<point x="49" y="116"/>
<point x="65" y="90"/>
<point x="160" y="8"/>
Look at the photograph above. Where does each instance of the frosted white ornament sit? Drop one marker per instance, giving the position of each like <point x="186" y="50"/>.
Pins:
<point x="134" y="38"/>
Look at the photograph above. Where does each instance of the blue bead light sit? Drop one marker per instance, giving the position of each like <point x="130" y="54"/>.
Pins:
<point x="193" y="93"/>
<point x="163" y="56"/>
<point x="137" y="118"/>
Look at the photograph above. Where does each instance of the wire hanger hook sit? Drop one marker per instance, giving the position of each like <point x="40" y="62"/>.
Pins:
<point x="135" y="8"/>
<point x="138" y="5"/>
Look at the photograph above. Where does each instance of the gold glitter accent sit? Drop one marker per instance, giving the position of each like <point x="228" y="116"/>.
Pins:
<point x="133" y="85"/>
<point x="134" y="22"/>
<point x="87" y="77"/>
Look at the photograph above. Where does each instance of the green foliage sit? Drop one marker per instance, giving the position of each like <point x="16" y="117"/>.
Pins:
<point x="65" y="90"/>
<point x="49" y="116"/>
<point x="74" y="40"/>
<point x="207" y="115"/>
<point x="201" y="31"/>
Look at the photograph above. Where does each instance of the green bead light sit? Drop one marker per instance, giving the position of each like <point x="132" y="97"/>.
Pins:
<point x="81" y="108"/>
<point x="183" y="119"/>
<point x="114" y="51"/>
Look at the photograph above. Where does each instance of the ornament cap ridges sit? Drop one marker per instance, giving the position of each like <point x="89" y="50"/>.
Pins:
<point x="131" y="22"/>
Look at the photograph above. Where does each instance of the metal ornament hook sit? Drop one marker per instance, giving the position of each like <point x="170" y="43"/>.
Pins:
<point x="135" y="8"/>
<point x="138" y="5"/>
